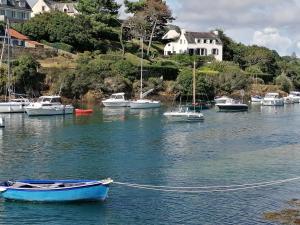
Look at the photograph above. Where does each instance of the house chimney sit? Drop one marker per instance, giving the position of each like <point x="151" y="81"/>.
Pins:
<point x="216" y="32"/>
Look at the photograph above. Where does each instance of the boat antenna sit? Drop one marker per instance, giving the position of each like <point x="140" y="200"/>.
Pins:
<point x="142" y="46"/>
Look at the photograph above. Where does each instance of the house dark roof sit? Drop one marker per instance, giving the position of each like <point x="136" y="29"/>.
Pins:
<point x="191" y="36"/>
<point x="60" y="5"/>
<point x="15" y="4"/>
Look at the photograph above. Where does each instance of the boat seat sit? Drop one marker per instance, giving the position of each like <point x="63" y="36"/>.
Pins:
<point x="24" y="185"/>
<point x="56" y="185"/>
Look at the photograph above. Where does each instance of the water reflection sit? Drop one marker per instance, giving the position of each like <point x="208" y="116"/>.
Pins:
<point x="114" y="114"/>
<point x="145" y="113"/>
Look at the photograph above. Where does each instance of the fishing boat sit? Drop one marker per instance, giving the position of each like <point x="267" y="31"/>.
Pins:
<point x="185" y="113"/>
<point x="47" y="106"/>
<point x="116" y="100"/>
<point x="10" y="105"/>
<point x="55" y="190"/>
<point x="143" y="103"/>
<point x="83" y="111"/>
<point x="232" y="105"/>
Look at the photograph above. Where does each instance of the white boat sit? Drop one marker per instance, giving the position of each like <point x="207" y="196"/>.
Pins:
<point x="272" y="99"/>
<point x="184" y="113"/>
<point x="116" y="100"/>
<point x="232" y="105"/>
<point x="222" y="99"/>
<point x="143" y="103"/>
<point x="47" y="106"/>
<point x="14" y="105"/>
<point x="256" y="99"/>
<point x="295" y="96"/>
<point x="11" y="105"/>
<point x="288" y="100"/>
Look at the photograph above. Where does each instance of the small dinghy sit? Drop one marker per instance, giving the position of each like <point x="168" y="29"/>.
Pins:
<point x="55" y="190"/>
<point x="83" y="111"/>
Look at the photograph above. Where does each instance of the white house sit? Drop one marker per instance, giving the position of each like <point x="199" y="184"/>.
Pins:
<point x="199" y="43"/>
<point x="42" y="6"/>
<point x="14" y="10"/>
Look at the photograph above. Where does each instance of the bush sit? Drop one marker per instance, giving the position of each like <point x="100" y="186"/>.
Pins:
<point x="284" y="82"/>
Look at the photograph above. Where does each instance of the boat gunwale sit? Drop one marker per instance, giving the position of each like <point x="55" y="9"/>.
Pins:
<point x="47" y="189"/>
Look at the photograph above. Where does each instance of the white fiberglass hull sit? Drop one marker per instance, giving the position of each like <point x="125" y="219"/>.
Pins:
<point x="111" y="103"/>
<point x="184" y="116"/>
<point x="273" y="102"/>
<point x="12" y="107"/>
<point x="144" y="104"/>
<point x="49" y="110"/>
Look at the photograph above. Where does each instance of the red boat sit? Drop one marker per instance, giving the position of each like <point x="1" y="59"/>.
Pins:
<point x="83" y="111"/>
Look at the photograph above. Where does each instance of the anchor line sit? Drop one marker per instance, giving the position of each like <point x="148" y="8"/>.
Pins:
<point x="207" y="189"/>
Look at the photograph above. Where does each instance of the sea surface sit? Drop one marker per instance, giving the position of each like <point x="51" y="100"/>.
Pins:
<point x="141" y="146"/>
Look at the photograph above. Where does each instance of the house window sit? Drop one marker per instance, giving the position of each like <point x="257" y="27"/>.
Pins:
<point x="204" y="41"/>
<point x="215" y="51"/>
<point x="210" y="41"/>
<point x="65" y="10"/>
<point x="2" y="12"/>
<point x="169" y="44"/>
<point x="198" y="40"/>
<point x="180" y="41"/>
<point x="13" y="14"/>
<point x="43" y="8"/>
<point x="203" y="51"/>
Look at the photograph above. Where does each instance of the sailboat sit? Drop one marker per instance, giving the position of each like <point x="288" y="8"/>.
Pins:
<point x="16" y="105"/>
<point x="185" y="113"/>
<point x="143" y="103"/>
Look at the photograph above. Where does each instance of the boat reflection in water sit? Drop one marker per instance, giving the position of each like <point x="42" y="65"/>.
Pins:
<point x="114" y="114"/>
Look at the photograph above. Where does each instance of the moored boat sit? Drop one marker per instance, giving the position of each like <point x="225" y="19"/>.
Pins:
<point x="55" y="190"/>
<point x="272" y="99"/>
<point x="256" y="99"/>
<point x="14" y="105"/>
<point x="47" y="106"/>
<point x="232" y="105"/>
<point x="116" y="100"/>
<point x="184" y="114"/>
<point x="83" y="111"/>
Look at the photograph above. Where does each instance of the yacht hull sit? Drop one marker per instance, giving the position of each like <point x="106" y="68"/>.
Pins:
<point x="49" y="111"/>
<point x="144" y="104"/>
<point x="184" y="116"/>
<point x="115" y="103"/>
<point x="232" y="107"/>
<point x="12" y="107"/>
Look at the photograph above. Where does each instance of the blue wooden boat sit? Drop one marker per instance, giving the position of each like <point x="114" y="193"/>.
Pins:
<point x="55" y="190"/>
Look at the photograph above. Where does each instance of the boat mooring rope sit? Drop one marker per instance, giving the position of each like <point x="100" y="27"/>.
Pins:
<point x="207" y="189"/>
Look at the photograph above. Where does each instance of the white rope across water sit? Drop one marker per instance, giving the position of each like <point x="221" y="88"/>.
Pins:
<point x="207" y="189"/>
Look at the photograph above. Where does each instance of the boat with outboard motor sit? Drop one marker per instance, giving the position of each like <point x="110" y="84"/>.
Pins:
<point x="232" y="105"/>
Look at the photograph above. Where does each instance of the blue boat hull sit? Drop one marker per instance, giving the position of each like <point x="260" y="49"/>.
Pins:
<point x="93" y="191"/>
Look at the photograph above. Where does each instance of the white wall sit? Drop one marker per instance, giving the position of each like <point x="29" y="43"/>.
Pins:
<point x="38" y="8"/>
<point x="181" y="46"/>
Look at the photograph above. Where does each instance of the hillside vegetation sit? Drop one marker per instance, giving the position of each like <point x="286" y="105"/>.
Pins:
<point x="108" y="55"/>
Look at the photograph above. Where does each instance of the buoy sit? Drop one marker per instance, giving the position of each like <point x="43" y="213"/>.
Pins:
<point x="2" y="123"/>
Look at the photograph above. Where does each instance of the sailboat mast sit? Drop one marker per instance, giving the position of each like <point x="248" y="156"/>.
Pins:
<point x="142" y="44"/>
<point x="8" y="61"/>
<point x="194" y="84"/>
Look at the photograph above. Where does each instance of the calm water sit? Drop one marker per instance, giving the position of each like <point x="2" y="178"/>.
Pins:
<point x="139" y="146"/>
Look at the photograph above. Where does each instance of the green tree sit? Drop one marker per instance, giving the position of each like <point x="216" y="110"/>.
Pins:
<point x="154" y="13"/>
<point x="27" y="78"/>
